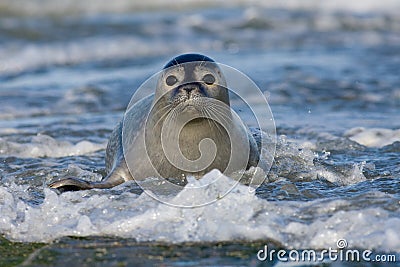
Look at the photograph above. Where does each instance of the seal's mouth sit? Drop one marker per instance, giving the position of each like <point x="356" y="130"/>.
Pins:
<point x="190" y="105"/>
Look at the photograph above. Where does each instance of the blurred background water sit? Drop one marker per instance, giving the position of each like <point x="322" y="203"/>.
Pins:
<point x="330" y="71"/>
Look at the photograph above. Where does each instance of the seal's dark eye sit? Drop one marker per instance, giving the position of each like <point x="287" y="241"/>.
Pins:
<point x="209" y="79"/>
<point x="171" y="80"/>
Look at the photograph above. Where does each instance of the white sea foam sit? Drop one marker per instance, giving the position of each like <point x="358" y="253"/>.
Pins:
<point x="295" y="161"/>
<point x="25" y="57"/>
<point x="373" y="137"/>
<point x="240" y="215"/>
<point x="46" y="146"/>
<point x="352" y="176"/>
<point x="58" y="7"/>
<point x="16" y="57"/>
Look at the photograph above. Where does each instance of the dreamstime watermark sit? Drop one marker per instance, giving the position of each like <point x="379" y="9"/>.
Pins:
<point x="191" y="118"/>
<point x="340" y="253"/>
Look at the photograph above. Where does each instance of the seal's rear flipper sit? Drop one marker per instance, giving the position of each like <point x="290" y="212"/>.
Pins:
<point x="75" y="184"/>
<point x="71" y="184"/>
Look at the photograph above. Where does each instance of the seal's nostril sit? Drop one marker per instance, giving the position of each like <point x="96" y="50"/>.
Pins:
<point x="188" y="89"/>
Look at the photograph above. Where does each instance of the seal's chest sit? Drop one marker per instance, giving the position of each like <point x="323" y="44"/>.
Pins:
<point x="203" y="138"/>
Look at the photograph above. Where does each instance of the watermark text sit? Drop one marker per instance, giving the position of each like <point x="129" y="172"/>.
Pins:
<point x="340" y="253"/>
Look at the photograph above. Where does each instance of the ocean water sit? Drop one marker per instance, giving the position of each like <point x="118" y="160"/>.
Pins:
<point x="330" y="72"/>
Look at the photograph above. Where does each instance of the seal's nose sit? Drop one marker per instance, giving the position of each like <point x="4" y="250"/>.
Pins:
<point x="189" y="89"/>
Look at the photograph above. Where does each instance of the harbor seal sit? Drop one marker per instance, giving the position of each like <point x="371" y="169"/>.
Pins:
<point x="185" y="128"/>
